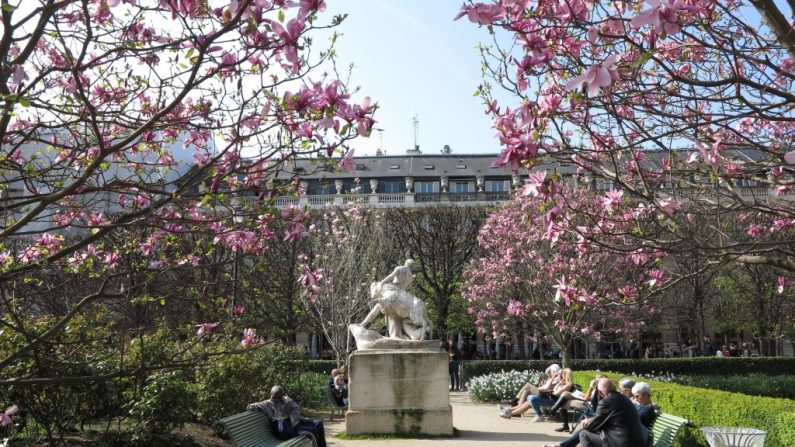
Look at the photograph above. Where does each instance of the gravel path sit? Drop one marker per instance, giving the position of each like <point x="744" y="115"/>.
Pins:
<point x="477" y="424"/>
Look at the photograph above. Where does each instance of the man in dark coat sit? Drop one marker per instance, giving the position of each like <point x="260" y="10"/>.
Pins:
<point x="616" y="422"/>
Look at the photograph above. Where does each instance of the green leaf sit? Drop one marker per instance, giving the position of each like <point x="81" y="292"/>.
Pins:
<point x="9" y="7"/>
<point x="281" y="15"/>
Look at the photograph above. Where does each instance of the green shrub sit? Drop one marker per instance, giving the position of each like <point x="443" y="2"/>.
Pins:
<point x="318" y="366"/>
<point x="677" y="366"/>
<point x="163" y="403"/>
<point x="306" y="389"/>
<point x="502" y="385"/>
<point x="224" y="385"/>
<point x="707" y="407"/>
<point x="755" y="384"/>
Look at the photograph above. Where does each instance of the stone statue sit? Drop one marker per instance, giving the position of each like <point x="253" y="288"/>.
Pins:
<point x="406" y="315"/>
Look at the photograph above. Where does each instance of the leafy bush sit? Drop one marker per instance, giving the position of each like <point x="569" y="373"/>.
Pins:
<point x="502" y="385"/>
<point x="224" y="385"/>
<point x="678" y="366"/>
<point x="317" y="366"/>
<point x="755" y="384"/>
<point x="707" y="407"/>
<point x="306" y="389"/>
<point x="162" y="404"/>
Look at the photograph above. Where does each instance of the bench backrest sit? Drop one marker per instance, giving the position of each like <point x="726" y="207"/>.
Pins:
<point x="247" y="429"/>
<point x="665" y="428"/>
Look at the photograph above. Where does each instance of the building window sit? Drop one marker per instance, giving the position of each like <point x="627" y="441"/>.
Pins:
<point x="461" y="166"/>
<point x="391" y="186"/>
<point x="427" y="187"/>
<point x="428" y="167"/>
<point x="604" y="184"/>
<point x="495" y="185"/>
<point x="460" y="186"/>
<point x="394" y="166"/>
<point x="319" y="189"/>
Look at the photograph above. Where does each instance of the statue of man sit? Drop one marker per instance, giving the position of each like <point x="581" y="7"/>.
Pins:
<point x="402" y="275"/>
<point x="406" y="315"/>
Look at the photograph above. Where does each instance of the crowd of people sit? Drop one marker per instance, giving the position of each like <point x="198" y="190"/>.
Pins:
<point x="613" y="416"/>
<point x="690" y="348"/>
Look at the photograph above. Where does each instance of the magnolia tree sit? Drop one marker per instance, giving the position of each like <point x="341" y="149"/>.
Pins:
<point x="616" y="88"/>
<point x="539" y="274"/>
<point x="124" y="126"/>
<point x="346" y="256"/>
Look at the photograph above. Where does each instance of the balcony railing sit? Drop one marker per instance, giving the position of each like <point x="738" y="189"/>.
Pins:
<point x="392" y="200"/>
<point x="481" y="198"/>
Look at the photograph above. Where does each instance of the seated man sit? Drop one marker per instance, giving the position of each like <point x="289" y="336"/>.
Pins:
<point x="625" y="387"/>
<point x="574" y="400"/>
<point x="285" y="420"/>
<point x="522" y="403"/>
<point x="646" y="408"/>
<point x="616" y="423"/>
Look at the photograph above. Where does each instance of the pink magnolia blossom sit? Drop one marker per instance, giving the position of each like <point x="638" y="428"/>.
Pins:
<point x="663" y="15"/>
<point x="482" y="13"/>
<point x="249" y="337"/>
<point x="5" y="416"/>
<point x="346" y="163"/>
<point x="755" y="230"/>
<point x="289" y="36"/>
<point x="534" y="183"/>
<point x="612" y="198"/>
<point x="655" y="277"/>
<point x="783" y="282"/>
<point x="597" y="77"/>
<point x="205" y="328"/>
<point x="238" y="310"/>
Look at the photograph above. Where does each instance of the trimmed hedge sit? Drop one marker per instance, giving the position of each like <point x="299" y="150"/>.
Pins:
<point x="677" y="366"/>
<point x="316" y="366"/>
<point x="707" y="407"/>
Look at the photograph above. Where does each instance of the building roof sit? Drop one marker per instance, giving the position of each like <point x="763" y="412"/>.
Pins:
<point x="417" y="166"/>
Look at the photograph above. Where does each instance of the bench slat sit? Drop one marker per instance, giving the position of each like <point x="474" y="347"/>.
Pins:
<point x="665" y="428"/>
<point x="251" y="429"/>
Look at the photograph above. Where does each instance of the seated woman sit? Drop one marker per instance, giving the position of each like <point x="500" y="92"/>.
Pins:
<point x="544" y="397"/>
<point x="522" y="403"/>
<point x="571" y="400"/>
<point x="529" y="389"/>
<point x="340" y="391"/>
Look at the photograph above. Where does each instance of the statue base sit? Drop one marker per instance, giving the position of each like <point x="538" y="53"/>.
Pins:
<point x="399" y="392"/>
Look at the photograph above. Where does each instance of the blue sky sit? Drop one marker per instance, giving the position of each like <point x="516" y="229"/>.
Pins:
<point x="413" y="59"/>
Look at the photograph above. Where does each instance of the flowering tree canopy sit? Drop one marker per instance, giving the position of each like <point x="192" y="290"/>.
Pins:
<point x="684" y="105"/>
<point x="125" y="124"/>
<point x="538" y="274"/>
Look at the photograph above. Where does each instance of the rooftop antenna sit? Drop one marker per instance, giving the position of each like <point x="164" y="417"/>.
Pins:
<point x="416" y="122"/>
<point x="380" y="151"/>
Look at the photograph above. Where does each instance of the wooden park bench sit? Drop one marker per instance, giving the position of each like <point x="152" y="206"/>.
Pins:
<point x="665" y="428"/>
<point x="332" y="404"/>
<point x="252" y="429"/>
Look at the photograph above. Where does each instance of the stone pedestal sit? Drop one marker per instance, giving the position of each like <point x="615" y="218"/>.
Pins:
<point x="399" y="392"/>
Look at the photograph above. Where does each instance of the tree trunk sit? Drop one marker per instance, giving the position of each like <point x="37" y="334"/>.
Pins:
<point x="521" y="345"/>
